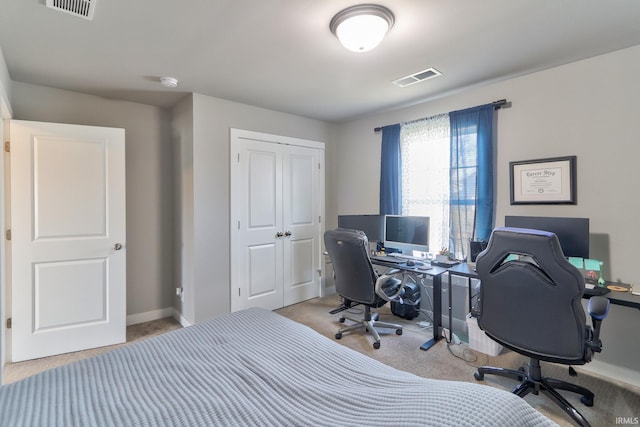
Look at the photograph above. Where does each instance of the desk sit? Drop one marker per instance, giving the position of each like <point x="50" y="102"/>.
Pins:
<point x="626" y="299"/>
<point x="436" y="274"/>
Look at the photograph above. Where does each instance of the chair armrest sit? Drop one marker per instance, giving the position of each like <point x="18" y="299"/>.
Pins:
<point x="383" y="279"/>
<point x="598" y="307"/>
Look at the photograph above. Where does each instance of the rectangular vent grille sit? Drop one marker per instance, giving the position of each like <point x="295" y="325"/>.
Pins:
<point x="418" y="77"/>
<point x="81" y="8"/>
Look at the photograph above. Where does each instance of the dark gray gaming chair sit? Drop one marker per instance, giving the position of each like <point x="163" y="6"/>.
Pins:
<point x="358" y="282"/>
<point x="530" y="302"/>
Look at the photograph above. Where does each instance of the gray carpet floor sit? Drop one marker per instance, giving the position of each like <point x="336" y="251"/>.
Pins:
<point x="458" y="363"/>
<point x="16" y="371"/>
<point x="442" y="361"/>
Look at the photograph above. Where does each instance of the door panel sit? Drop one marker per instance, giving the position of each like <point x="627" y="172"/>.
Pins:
<point x="68" y="279"/>
<point x="262" y="168"/>
<point x="263" y="275"/>
<point x="55" y="281"/>
<point x="69" y="164"/>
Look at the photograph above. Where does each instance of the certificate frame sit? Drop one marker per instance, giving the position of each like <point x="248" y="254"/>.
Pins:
<point x="543" y="181"/>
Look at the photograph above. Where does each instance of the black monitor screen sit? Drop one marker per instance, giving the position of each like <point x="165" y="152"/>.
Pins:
<point x="573" y="233"/>
<point x="407" y="233"/>
<point x="372" y="225"/>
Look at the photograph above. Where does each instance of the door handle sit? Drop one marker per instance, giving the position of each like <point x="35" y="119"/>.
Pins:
<point x="287" y="233"/>
<point x="279" y="234"/>
<point x="117" y="246"/>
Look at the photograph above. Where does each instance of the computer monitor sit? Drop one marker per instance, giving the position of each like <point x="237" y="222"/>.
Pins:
<point x="406" y="233"/>
<point x="371" y="225"/>
<point x="573" y="233"/>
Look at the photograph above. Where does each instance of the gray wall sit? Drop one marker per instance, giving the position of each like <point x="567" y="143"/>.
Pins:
<point x="588" y="109"/>
<point x="203" y="179"/>
<point x="149" y="180"/>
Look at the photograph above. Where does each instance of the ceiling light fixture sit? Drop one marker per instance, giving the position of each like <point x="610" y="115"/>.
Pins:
<point x="361" y="28"/>
<point x="169" y="82"/>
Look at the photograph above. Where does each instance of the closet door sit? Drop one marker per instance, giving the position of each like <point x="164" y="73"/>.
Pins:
<point x="276" y="211"/>
<point x="301" y="220"/>
<point x="256" y="225"/>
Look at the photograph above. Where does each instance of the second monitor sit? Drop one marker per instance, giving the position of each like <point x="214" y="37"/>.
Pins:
<point x="371" y="225"/>
<point x="573" y="233"/>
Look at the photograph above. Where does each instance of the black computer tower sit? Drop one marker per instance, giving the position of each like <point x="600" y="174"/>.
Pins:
<point x="409" y="308"/>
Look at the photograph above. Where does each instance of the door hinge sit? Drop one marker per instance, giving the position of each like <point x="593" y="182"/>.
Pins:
<point x="8" y="322"/>
<point x="7" y="235"/>
<point x="238" y="157"/>
<point x="318" y="166"/>
<point x="7" y="146"/>
<point x="238" y="291"/>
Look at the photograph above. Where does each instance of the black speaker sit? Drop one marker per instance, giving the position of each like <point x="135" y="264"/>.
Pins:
<point x="475" y="247"/>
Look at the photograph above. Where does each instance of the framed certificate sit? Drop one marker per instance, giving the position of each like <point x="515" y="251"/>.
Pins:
<point x="543" y="181"/>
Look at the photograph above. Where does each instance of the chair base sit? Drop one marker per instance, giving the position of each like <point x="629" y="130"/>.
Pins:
<point x="368" y="324"/>
<point x="531" y="380"/>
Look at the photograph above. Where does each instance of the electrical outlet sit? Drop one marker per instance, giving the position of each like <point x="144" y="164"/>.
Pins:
<point x="180" y="293"/>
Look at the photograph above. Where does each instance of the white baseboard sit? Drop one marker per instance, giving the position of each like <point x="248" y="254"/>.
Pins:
<point x="181" y="319"/>
<point x="134" y="319"/>
<point x="607" y="370"/>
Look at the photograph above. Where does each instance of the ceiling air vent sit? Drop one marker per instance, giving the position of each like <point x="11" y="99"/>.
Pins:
<point x="82" y="8"/>
<point x="420" y="76"/>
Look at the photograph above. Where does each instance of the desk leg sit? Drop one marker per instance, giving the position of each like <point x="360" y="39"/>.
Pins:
<point x="437" y="313"/>
<point x="450" y="338"/>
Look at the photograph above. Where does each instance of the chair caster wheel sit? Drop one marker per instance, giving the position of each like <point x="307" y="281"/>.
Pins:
<point x="338" y="335"/>
<point x="398" y="331"/>
<point x="376" y="345"/>
<point x="587" y="401"/>
<point x="341" y="320"/>
<point x="478" y="376"/>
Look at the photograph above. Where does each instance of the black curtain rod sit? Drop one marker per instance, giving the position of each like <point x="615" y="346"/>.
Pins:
<point x="502" y="103"/>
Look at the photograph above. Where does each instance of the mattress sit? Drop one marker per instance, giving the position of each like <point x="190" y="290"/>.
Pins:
<point x="249" y="368"/>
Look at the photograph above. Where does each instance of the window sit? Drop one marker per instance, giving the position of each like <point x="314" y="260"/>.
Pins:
<point x="424" y="149"/>
<point x="442" y="167"/>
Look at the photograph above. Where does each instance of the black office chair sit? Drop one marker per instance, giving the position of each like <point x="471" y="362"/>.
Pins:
<point x="357" y="281"/>
<point x="530" y="302"/>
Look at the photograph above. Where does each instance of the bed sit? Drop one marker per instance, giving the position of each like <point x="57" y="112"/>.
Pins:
<point x="253" y="367"/>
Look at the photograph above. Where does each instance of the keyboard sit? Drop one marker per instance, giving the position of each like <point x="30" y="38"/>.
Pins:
<point x="596" y="291"/>
<point x="388" y="258"/>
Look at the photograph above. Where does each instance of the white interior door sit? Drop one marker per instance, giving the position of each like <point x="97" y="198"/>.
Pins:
<point x="276" y="209"/>
<point x="68" y="259"/>
<point x="256" y="246"/>
<point x="301" y="220"/>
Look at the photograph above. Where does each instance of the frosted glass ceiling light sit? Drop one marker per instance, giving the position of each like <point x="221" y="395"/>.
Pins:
<point x="361" y="28"/>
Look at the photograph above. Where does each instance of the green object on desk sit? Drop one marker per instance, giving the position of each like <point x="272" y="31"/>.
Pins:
<point x="592" y="264"/>
<point x="577" y="262"/>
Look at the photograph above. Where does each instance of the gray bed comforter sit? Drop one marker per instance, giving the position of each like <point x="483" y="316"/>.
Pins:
<point x="252" y="367"/>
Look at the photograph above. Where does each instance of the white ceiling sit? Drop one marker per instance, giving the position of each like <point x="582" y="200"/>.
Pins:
<point x="280" y="54"/>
